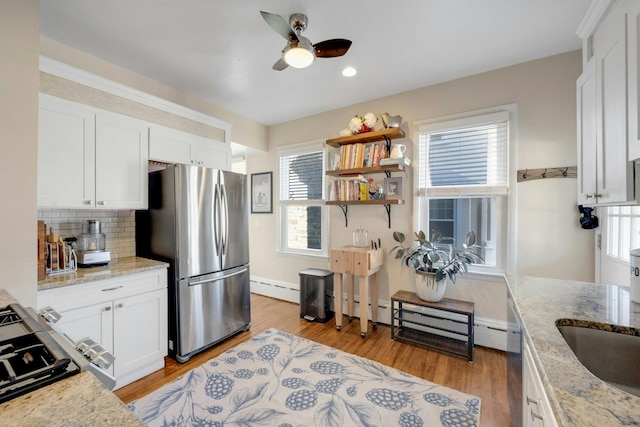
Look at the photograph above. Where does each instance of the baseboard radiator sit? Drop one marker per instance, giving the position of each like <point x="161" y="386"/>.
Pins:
<point x="488" y="332"/>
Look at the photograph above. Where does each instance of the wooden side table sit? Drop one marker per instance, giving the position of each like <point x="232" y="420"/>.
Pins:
<point x="405" y="315"/>
<point x="350" y="261"/>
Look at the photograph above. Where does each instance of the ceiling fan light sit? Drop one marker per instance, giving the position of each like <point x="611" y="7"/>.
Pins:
<point x="299" y="55"/>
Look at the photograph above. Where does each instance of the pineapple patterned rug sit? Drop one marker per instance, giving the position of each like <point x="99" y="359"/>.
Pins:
<point x="279" y="379"/>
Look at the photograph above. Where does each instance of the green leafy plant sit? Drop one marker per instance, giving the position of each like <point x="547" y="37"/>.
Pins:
<point x="429" y="257"/>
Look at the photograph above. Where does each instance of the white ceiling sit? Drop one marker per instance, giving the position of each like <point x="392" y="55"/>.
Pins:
<point x="222" y="50"/>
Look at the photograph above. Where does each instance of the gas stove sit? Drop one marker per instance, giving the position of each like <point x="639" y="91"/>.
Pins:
<point x="34" y="353"/>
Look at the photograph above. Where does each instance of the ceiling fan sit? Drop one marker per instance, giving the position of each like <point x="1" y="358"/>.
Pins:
<point x="299" y="52"/>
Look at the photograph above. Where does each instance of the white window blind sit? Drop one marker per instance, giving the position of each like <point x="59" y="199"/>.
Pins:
<point x="301" y="177"/>
<point x="302" y="218"/>
<point x="464" y="157"/>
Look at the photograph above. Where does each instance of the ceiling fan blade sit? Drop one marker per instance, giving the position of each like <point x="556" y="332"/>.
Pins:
<point x="332" y="48"/>
<point x="280" y="65"/>
<point x="281" y="26"/>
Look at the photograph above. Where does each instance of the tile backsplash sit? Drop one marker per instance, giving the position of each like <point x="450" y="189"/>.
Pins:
<point x="119" y="227"/>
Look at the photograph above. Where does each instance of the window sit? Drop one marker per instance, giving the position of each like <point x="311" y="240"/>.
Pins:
<point x="462" y="174"/>
<point x="302" y="220"/>
<point x="623" y="231"/>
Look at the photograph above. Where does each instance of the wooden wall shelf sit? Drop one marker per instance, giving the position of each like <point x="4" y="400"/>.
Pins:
<point x="376" y="135"/>
<point x="377" y="169"/>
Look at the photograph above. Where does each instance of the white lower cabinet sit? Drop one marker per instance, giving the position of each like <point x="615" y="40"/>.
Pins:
<point x="126" y="315"/>
<point x="536" y="407"/>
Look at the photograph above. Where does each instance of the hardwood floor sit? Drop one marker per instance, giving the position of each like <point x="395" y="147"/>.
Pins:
<point x="485" y="378"/>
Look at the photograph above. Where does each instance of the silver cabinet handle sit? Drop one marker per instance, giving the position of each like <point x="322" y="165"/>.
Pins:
<point x="530" y="401"/>
<point x="593" y="196"/>
<point x="535" y="415"/>
<point x="86" y="202"/>
<point x="102" y="203"/>
<point x="120" y="305"/>
<point x="112" y="289"/>
<point x="107" y="308"/>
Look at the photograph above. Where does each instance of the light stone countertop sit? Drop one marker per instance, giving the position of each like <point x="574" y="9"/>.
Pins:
<point x="80" y="400"/>
<point x="115" y="268"/>
<point x="578" y="398"/>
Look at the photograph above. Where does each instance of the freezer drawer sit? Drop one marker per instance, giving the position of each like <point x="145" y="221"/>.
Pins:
<point x="210" y="309"/>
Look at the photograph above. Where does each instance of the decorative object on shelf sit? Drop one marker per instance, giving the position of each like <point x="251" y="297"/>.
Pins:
<point x="345" y="132"/>
<point x="429" y="259"/>
<point x="427" y="288"/>
<point x="393" y="188"/>
<point x="391" y="121"/>
<point x="397" y="151"/>
<point x="262" y="192"/>
<point x="375" y="190"/>
<point x="362" y="124"/>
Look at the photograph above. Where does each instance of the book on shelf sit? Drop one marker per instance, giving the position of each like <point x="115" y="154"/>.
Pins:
<point x="349" y="189"/>
<point x="361" y="155"/>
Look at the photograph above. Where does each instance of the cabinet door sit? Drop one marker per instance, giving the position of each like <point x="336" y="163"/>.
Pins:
<point x="537" y="410"/>
<point x="93" y="321"/>
<point x="615" y="172"/>
<point x="140" y="331"/>
<point x="66" y="153"/>
<point x="169" y="145"/>
<point x="122" y="155"/>
<point x="212" y="154"/>
<point x="587" y="133"/>
<point x="633" y="67"/>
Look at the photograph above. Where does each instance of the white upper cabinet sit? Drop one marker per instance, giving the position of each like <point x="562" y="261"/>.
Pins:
<point x="66" y="154"/>
<point x="88" y="158"/>
<point x="587" y="118"/>
<point x="633" y="67"/>
<point x="607" y="176"/>
<point x="122" y="156"/>
<point x="174" y="146"/>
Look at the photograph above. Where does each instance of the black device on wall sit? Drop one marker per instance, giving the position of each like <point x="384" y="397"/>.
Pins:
<point x="587" y="219"/>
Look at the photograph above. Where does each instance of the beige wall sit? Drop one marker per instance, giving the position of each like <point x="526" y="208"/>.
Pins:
<point x="245" y="131"/>
<point x="19" y="28"/>
<point x="550" y="242"/>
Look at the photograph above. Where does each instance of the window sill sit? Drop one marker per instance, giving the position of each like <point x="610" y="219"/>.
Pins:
<point x="318" y="256"/>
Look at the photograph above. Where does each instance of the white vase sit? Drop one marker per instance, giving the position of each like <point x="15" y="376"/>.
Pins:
<point x="427" y="288"/>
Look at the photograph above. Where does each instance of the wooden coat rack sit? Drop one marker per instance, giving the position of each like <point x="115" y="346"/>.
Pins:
<point x="543" y="173"/>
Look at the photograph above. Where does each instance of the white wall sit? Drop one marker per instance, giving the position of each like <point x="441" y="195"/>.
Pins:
<point x="550" y="241"/>
<point x="19" y="27"/>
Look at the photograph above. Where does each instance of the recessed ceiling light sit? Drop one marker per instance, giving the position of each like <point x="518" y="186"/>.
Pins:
<point x="349" y="72"/>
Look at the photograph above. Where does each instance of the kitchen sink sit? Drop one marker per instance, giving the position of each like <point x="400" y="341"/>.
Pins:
<point x="611" y="354"/>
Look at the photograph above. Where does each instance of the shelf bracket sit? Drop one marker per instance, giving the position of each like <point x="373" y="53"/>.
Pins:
<point x="388" y="209"/>
<point x="345" y="211"/>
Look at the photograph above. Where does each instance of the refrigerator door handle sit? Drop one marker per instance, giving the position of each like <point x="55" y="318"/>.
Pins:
<point x="215" y="279"/>
<point x="216" y="219"/>
<point x="225" y="221"/>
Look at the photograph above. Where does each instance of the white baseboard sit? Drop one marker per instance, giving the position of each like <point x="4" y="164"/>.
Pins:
<point x="274" y="289"/>
<point x="487" y="332"/>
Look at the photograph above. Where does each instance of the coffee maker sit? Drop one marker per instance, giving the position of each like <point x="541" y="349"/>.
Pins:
<point x="91" y="245"/>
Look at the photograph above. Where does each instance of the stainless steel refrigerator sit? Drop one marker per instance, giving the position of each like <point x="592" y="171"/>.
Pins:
<point x="197" y="222"/>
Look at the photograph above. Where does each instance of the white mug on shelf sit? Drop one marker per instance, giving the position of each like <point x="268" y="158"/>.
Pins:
<point x="397" y="150"/>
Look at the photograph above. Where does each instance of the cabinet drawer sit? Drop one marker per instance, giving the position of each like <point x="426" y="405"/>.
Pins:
<point x="95" y="292"/>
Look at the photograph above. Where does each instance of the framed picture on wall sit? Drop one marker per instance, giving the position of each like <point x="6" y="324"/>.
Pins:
<point x="262" y="192"/>
<point x="393" y="188"/>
